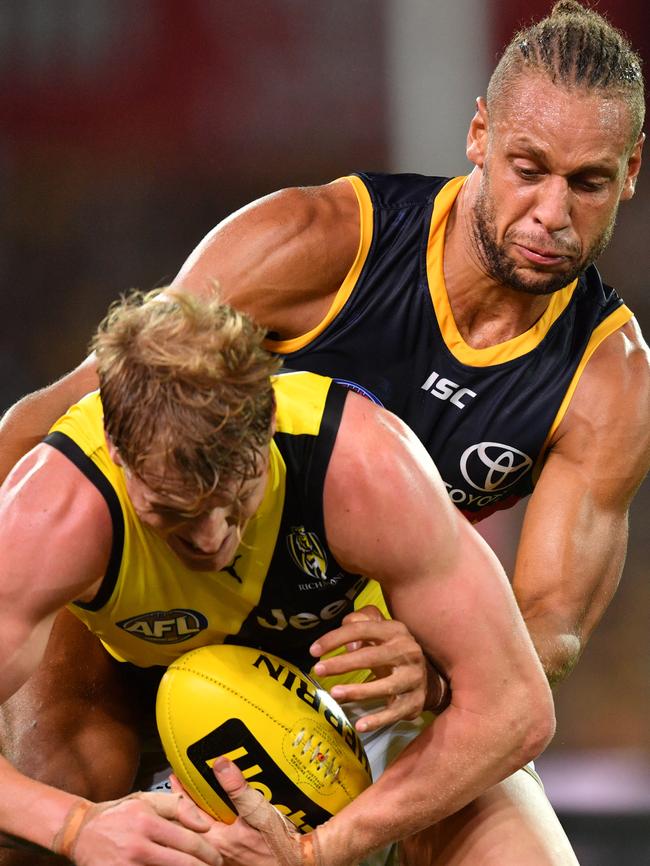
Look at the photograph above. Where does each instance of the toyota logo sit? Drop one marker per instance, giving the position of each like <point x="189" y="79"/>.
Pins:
<point x="492" y="466"/>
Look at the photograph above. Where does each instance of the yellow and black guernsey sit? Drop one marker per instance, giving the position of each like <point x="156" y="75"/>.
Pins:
<point x="485" y="415"/>
<point x="283" y="588"/>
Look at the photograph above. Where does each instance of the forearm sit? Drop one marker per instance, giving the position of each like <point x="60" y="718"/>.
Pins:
<point x="30" y="810"/>
<point x="562" y="610"/>
<point x="447" y="766"/>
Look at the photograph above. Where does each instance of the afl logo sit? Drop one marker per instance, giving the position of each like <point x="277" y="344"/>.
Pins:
<point x="491" y="466"/>
<point x="165" y="626"/>
<point x="307" y="552"/>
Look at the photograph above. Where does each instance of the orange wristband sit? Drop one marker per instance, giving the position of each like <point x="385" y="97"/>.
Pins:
<point x="64" y="841"/>
<point x="310" y="850"/>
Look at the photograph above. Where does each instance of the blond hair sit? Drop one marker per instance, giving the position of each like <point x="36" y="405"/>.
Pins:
<point x="188" y="381"/>
<point x="574" y="47"/>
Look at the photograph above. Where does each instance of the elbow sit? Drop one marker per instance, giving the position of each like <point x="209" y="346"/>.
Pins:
<point x="536" y="722"/>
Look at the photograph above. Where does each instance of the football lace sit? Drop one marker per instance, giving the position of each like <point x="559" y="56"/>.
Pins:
<point x="311" y="747"/>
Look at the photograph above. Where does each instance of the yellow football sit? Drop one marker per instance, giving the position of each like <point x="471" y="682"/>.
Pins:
<point x="290" y="739"/>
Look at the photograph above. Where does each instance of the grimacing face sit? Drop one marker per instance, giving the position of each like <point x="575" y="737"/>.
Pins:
<point x="554" y="166"/>
<point x="206" y="537"/>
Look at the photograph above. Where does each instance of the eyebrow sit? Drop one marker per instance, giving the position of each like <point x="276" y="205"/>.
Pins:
<point x="606" y="169"/>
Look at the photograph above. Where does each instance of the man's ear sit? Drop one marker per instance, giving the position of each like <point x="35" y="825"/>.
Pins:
<point x="477" y="134"/>
<point x="633" y="169"/>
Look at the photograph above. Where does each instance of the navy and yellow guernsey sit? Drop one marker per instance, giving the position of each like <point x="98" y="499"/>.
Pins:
<point x="485" y="415"/>
<point x="283" y="589"/>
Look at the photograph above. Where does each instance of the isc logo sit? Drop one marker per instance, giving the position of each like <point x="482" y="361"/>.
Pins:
<point x="445" y="389"/>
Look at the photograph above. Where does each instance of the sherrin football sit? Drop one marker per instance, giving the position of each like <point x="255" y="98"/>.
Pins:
<point x="290" y="739"/>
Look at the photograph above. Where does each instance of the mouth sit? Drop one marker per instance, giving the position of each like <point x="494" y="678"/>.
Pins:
<point x="192" y="548"/>
<point x="191" y="552"/>
<point x="540" y="256"/>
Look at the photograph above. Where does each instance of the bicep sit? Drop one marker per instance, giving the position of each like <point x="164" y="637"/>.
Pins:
<point x="464" y="614"/>
<point x="388" y="516"/>
<point x="574" y="536"/>
<point x="55" y="540"/>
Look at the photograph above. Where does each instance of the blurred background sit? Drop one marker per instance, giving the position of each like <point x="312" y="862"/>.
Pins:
<point x="128" y="129"/>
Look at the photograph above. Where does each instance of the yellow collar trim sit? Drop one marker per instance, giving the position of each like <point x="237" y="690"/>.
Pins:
<point x="501" y="352"/>
<point x="348" y="284"/>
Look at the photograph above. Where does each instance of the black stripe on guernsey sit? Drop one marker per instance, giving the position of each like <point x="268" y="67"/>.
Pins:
<point x="307" y="457"/>
<point x="74" y="453"/>
<point x="320" y="457"/>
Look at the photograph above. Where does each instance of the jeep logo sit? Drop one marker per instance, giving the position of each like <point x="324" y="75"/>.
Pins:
<point x="165" y="626"/>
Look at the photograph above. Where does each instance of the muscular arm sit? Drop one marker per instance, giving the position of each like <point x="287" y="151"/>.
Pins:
<point x="388" y="516"/>
<point x="574" y="537"/>
<point x="281" y="259"/>
<point x="26" y="423"/>
<point x="55" y="539"/>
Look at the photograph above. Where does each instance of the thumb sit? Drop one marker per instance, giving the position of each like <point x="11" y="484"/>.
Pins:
<point x="278" y="833"/>
<point x="368" y="613"/>
<point x="231" y="779"/>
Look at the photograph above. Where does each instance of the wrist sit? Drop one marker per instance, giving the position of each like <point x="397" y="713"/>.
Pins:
<point x="66" y="837"/>
<point x="310" y="850"/>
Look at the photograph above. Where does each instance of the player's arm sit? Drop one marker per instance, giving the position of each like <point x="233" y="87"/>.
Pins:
<point x="55" y="539"/>
<point x="574" y="537"/>
<point x="280" y="259"/>
<point x="387" y="515"/>
<point x="27" y="422"/>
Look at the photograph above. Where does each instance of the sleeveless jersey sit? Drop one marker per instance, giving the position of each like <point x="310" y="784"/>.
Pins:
<point x="485" y="415"/>
<point x="283" y="589"/>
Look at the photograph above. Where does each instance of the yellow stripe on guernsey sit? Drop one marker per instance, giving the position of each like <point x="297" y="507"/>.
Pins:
<point x="612" y="323"/>
<point x="348" y="284"/>
<point x="464" y="353"/>
<point x="151" y="578"/>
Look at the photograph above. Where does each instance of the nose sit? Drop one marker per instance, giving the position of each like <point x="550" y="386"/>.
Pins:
<point x="208" y="531"/>
<point x="553" y="204"/>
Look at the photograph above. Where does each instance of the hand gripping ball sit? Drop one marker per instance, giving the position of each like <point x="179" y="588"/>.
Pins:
<point x="290" y="739"/>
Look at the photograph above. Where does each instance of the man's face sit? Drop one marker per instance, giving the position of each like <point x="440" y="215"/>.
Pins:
<point x="206" y="537"/>
<point x="554" y="166"/>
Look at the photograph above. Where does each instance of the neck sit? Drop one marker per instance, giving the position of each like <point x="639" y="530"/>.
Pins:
<point x="486" y="312"/>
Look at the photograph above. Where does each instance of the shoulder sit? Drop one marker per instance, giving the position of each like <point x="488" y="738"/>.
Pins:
<point x="616" y="378"/>
<point x="383" y="495"/>
<point x="53" y="517"/>
<point x="295" y="210"/>
<point x="606" y="429"/>
<point x="280" y="258"/>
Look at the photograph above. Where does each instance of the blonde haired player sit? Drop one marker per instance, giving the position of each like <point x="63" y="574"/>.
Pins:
<point x="472" y="308"/>
<point x="191" y="459"/>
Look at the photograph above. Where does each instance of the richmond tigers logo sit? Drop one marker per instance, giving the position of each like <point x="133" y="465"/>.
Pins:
<point x="307" y="552"/>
